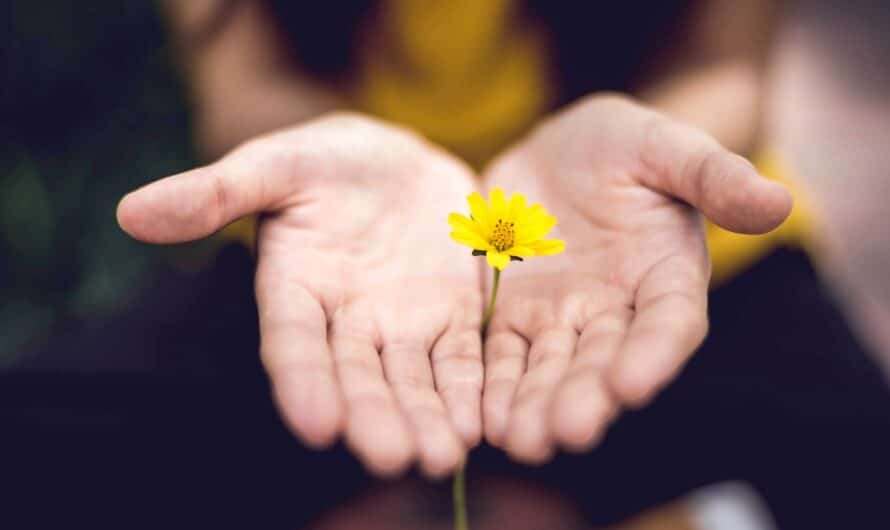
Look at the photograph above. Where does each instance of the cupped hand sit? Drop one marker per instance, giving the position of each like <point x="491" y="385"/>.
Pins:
<point x="369" y="317"/>
<point x="606" y="324"/>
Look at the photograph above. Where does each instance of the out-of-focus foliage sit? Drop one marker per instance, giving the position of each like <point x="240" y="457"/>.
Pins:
<point x="90" y="107"/>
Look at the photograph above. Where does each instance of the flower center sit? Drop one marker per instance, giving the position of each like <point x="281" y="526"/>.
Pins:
<point x="502" y="236"/>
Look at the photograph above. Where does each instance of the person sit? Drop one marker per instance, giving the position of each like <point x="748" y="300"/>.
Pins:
<point x="369" y="318"/>
<point x="159" y="409"/>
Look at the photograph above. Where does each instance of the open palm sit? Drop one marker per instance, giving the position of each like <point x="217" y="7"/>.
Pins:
<point x="577" y="336"/>
<point x="368" y="317"/>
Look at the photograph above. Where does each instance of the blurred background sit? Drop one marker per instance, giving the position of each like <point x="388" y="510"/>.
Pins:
<point x="91" y="107"/>
<point x="130" y="389"/>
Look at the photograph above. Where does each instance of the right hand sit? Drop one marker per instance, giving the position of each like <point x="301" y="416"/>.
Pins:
<point x="608" y="323"/>
<point x="369" y="315"/>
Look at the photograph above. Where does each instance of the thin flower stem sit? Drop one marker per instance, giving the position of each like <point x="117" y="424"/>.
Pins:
<point x="486" y="318"/>
<point x="458" y="488"/>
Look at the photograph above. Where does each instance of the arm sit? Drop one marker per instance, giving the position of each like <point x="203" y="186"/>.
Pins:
<point x="713" y="78"/>
<point x="241" y="78"/>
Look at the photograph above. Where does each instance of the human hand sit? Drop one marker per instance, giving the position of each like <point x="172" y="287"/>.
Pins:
<point x="607" y="323"/>
<point x="369" y="318"/>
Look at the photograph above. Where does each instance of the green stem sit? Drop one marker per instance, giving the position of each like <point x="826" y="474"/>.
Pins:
<point x="459" y="492"/>
<point x="486" y="318"/>
<point x="458" y="486"/>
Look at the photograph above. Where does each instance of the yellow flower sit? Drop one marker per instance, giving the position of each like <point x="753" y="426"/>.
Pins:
<point x="505" y="231"/>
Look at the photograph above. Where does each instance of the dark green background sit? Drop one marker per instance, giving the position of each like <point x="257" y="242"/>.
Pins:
<point x="90" y="107"/>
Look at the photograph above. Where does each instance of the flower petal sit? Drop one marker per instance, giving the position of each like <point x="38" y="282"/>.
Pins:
<point x="547" y="247"/>
<point x="516" y="207"/>
<point x="470" y="239"/>
<point x="481" y="212"/>
<point x="530" y="216"/>
<point x="462" y="222"/>
<point x="498" y="203"/>
<point x="522" y="252"/>
<point x="534" y="229"/>
<point x="497" y="259"/>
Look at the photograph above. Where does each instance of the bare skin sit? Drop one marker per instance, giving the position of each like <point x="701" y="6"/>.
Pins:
<point x="369" y="319"/>
<point x="577" y="336"/>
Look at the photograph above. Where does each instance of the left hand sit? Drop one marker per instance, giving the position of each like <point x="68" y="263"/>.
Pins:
<point x="368" y="331"/>
<point x="607" y="323"/>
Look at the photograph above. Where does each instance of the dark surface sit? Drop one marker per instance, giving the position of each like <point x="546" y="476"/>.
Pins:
<point x="185" y="434"/>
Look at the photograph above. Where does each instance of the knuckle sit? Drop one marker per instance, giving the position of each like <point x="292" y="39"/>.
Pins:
<point x="656" y="133"/>
<point x="221" y="202"/>
<point x="460" y="374"/>
<point x="465" y="345"/>
<point x="414" y="384"/>
<point x="358" y="367"/>
<point x="713" y="172"/>
<point x="424" y="411"/>
<point x="462" y="391"/>
<point x="370" y="401"/>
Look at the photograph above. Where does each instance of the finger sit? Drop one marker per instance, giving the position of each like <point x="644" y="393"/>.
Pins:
<point x="376" y="430"/>
<point x="295" y="353"/>
<point x="261" y="175"/>
<point x="265" y="174"/>
<point x="505" y="358"/>
<point x="528" y="436"/>
<point x="582" y="406"/>
<point x="407" y="369"/>
<point x="669" y="324"/>
<point x="197" y="203"/>
<point x="688" y="164"/>
<point x="458" y="374"/>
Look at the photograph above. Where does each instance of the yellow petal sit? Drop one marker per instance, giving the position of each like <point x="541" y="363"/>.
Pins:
<point x="530" y="216"/>
<point x="534" y="229"/>
<point x="547" y="247"/>
<point x="470" y="239"/>
<point x="498" y="203"/>
<point x="533" y="210"/>
<point x="516" y="207"/>
<point x="522" y="252"/>
<point x="497" y="259"/>
<point x="462" y="222"/>
<point x="480" y="212"/>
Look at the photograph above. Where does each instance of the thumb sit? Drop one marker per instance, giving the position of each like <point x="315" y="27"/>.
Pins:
<point x="690" y="165"/>
<point x="197" y="203"/>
